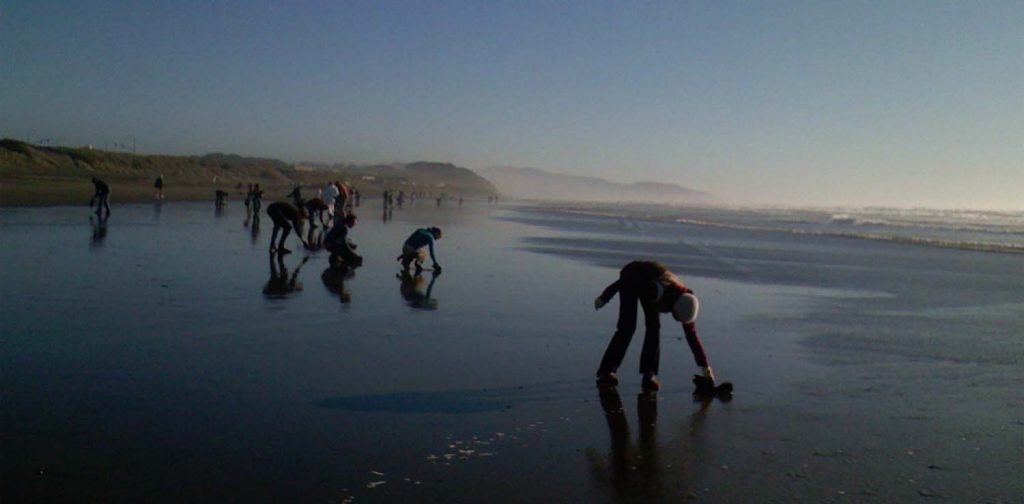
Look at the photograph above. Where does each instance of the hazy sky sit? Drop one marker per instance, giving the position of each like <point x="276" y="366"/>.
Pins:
<point x="860" y="103"/>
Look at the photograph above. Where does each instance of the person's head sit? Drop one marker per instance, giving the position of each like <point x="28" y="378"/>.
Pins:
<point x="436" y="232"/>
<point x="685" y="308"/>
<point x="350" y="220"/>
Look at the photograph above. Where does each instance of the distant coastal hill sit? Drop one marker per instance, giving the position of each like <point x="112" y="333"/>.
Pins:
<point x="34" y="174"/>
<point x="534" y="184"/>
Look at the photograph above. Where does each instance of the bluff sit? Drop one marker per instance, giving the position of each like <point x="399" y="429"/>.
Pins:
<point x="34" y="174"/>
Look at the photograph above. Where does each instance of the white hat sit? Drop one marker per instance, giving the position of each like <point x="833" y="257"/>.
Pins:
<point x="685" y="308"/>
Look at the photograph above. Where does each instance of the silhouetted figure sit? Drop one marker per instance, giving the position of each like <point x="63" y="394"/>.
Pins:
<point x="286" y="217"/>
<point x="257" y="203"/>
<point x="317" y="207"/>
<point x="314" y="238"/>
<point x="296" y="197"/>
<point x="219" y="198"/>
<point x="338" y="243"/>
<point x="387" y="213"/>
<point x="415" y="247"/>
<point x="159" y="185"/>
<point x="413" y="291"/>
<point x="657" y="290"/>
<point x="334" y="278"/>
<point x="248" y="205"/>
<point x="280" y="284"/>
<point x="357" y="196"/>
<point x="101" y="197"/>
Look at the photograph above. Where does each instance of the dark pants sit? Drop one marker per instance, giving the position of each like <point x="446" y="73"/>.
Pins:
<point x="629" y="298"/>
<point x="281" y="222"/>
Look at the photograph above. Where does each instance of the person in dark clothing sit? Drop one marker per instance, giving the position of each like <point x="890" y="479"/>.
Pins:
<point x="316" y="207"/>
<point x="286" y="217"/>
<point x="257" y="201"/>
<point x="296" y="197"/>
<point x="159" y="185"/>
<point x="415" y="245"/>
<point x="218" y="198"/>
<point x="101" y="198"/>
<point x="657" y="290"/>
<point x="338" y="243"/>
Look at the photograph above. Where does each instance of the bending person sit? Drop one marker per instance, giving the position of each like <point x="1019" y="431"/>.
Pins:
<point x="415" y="247"/>
<point x="286" y="217"/>
<point x="657" y="290"/>
<point x="101" y="198"/>
<point x="339" y="244"/>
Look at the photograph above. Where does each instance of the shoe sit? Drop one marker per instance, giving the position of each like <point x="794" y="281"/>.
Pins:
<point x="650" y="383"/>
<point x="607" y="379"/>
<point x="705" y="386"/>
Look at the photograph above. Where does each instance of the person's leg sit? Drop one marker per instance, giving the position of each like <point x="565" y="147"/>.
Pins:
<point x="408" y="256"/>
<point x="287" y="229"/>
<point x="651" y="353"/>
<point x="273" y="237"/>
<point x="624" y="330"/>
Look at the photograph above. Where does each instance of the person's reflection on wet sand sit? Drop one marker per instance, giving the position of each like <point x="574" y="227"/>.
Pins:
<point x="387" y="213"/>
<point x="334" y="278"/>
<point x="280" y="284"/>
<point x="636" y="472"/>
<point x="99" y="230"/>
<point x="413" y="292"/>
<point x="254" y="232"/>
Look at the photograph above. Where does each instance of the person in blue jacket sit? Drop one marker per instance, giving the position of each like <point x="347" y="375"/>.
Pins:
<point x="416" y="246"/>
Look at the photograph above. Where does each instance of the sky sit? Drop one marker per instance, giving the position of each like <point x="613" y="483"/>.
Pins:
<point x="905" y="103"/>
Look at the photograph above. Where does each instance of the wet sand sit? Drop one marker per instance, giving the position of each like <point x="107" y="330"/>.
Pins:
<point x="147" y="364"/>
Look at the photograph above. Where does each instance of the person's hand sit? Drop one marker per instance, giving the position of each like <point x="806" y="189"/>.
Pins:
<point x="599" y="303"/>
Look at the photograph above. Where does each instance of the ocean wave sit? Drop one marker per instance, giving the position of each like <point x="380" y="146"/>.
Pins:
<point x="911" y="240"/>
<point x="941" y="242"/>
<point x="1000" y="228"/>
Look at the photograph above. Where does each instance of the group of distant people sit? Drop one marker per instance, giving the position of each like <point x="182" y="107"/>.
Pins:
<point x="647" y="285"/>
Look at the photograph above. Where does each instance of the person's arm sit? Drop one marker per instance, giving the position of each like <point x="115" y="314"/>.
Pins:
<point x="297" y="224"/>
<point x="607" y="295"/>
<point x="701" y="358"/>
<point x="433" y="259"/>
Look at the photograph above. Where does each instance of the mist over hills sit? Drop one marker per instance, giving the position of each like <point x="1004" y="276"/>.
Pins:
<point x="534" y="184"/>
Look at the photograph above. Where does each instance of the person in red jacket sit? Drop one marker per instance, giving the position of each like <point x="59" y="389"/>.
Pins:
<point x="657" y="290"/>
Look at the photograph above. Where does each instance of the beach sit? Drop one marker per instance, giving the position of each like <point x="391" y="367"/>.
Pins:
<point x="146" y="361"/>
